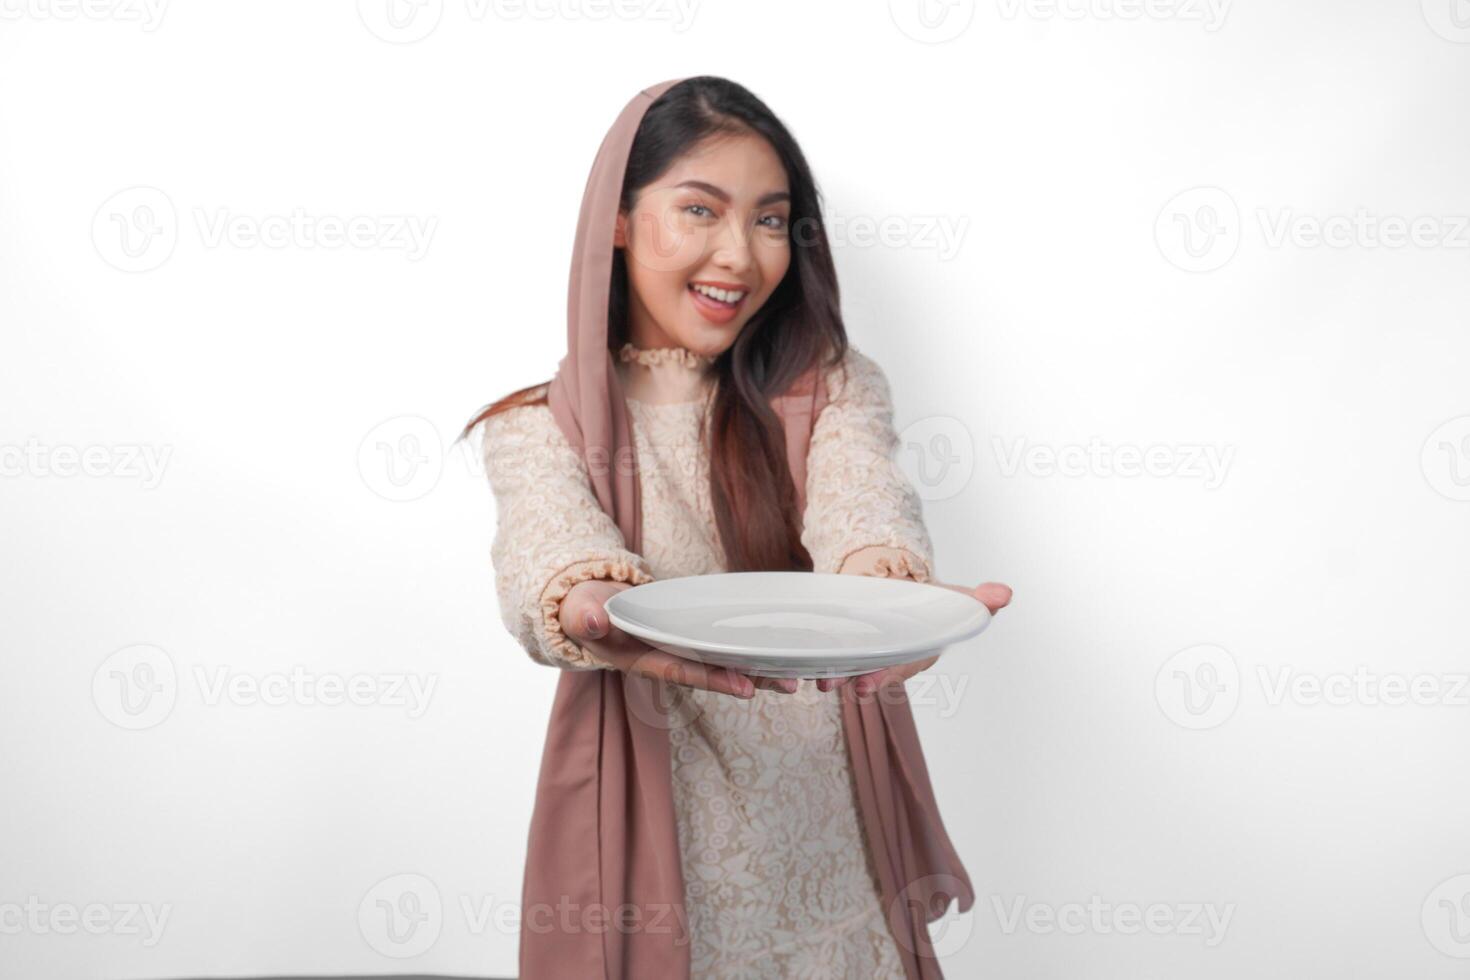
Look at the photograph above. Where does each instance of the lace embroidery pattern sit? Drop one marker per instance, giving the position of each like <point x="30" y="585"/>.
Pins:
<point x="778" y="878"/>
<point x="651" y="356"/>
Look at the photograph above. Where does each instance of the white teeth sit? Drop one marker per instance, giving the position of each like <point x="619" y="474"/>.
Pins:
<point x="724" y="296"/>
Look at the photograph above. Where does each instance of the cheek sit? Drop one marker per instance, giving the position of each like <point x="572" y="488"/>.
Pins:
<point x="774" y="259"/>
<point x="663" y="244"/>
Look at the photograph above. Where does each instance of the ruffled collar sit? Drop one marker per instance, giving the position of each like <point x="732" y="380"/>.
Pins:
<point x="665" y="375"/>
<point x="656" y="356"/>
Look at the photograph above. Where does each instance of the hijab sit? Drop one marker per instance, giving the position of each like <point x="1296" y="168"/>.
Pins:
<point x="603" y="892"/>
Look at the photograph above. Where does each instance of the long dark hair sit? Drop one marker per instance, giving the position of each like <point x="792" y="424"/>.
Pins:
<point x="799" y="327"/>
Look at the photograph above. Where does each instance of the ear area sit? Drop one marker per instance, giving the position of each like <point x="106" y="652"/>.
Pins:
<point x="620" y="233"/>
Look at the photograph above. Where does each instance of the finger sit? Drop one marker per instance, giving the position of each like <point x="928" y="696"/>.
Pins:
<point x="696" y="675"/>
<point x="867" y="683"/>
<point x="995" y="595"/>
<point x="583" y="619"/>
<point x="732" y="682"/>
<point x="786" y="685"/>
<point x="690" y="673"/>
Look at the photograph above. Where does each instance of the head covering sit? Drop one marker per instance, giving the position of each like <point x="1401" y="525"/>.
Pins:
<point x="603" y="834"/>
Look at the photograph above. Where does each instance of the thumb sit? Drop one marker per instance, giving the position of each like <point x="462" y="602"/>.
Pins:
<point x="595" y="622"/>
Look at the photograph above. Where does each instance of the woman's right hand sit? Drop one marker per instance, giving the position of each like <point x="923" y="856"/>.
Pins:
<point x="586" y="623"/>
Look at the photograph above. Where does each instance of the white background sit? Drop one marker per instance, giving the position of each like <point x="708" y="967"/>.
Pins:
<point x="1119" y="735"/>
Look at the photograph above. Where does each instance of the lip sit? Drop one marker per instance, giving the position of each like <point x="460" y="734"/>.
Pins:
<point x="708" y="308"/>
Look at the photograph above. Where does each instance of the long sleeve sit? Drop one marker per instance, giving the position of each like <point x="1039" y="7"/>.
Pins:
<point x="863" y="515"/>
<point x="550" y="533"/>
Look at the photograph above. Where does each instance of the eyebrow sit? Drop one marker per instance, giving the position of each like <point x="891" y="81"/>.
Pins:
<point x="769" y="198"/>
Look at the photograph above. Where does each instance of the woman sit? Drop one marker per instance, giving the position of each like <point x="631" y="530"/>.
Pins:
<point x="710" y="416"/>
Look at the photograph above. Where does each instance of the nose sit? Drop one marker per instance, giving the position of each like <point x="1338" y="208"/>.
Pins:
<point x="732" y="249"/>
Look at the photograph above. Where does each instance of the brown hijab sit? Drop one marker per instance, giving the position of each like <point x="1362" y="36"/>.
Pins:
<point x="603" y="893"/>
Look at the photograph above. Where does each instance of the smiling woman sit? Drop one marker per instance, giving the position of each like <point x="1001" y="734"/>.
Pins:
<point x="699" y="215"/>
<point x="766" y="826"/>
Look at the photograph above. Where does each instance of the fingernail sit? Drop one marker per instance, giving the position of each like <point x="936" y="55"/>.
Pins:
<point x="593" y="628"/>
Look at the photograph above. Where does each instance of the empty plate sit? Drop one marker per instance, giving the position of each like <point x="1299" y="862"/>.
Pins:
<point x="797" y="624"/>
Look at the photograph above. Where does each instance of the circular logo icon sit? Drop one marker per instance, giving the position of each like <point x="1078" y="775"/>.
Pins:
<point x="1445" y="917"/>
<point x="932" y="21"/>
<point x="136" y="229"/>
<point x="1198" y="687"/>
<point x="136" y="687"/>
<point x="662" y="235"/>
<point x="661" y="704"/>
<point x="401" y="916"/>
<point x="401" y="459"/>
<point x="1445" y="459"/>
<point x="1199" y="229"/>
<point x="1450" y="19"/>
<point x="937" y="456"/>
<point x="400" y="21"/>
<point x="932" y="897"/>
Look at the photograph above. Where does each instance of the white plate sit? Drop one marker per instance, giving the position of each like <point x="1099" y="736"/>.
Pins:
<point x="797" y="624"/>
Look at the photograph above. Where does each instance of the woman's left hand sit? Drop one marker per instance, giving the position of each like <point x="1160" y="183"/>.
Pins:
<point x="995" y="596"/>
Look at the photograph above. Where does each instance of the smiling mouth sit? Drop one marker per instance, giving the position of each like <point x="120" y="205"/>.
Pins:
<point x="727" y="298"/>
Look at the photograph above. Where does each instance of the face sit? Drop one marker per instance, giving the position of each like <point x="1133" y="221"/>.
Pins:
<point x="706" y="244"/>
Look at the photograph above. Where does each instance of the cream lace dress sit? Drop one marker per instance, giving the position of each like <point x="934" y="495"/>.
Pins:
<point x="778" y="879"/>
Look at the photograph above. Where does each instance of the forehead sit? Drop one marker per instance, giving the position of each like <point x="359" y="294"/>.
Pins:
<point x="744" y="166"/>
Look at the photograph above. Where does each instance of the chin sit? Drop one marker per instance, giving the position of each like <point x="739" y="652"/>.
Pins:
<point x="711" y="339"/>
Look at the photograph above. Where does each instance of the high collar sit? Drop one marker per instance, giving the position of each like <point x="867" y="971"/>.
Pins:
<point x="664" y="375"/>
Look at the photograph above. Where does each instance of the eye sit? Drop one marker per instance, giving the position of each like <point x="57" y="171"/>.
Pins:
<point x="780" y="222"/>
<point x="700" y="207"/>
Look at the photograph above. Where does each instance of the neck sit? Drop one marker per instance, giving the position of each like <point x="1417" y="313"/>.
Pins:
<point x="663" y="375"/>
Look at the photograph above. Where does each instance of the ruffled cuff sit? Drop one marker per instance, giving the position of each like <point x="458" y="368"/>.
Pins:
<point x="558" y="649"/>
<point x="885" y="561"/>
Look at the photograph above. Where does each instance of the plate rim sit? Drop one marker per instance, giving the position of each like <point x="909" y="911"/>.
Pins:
<point x="970" y="627"/>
